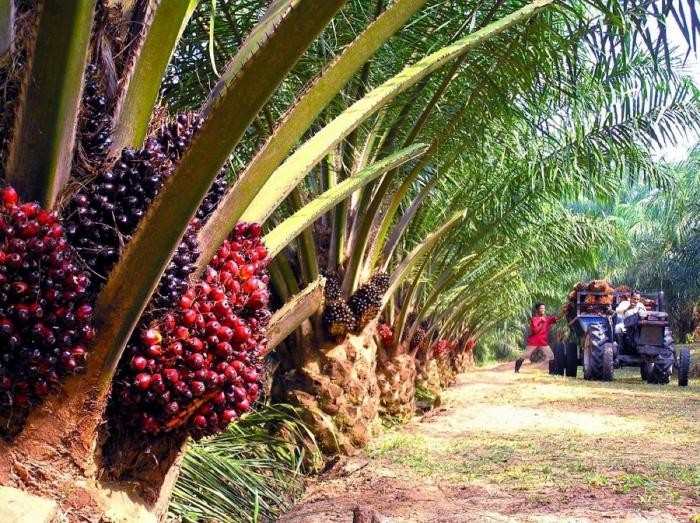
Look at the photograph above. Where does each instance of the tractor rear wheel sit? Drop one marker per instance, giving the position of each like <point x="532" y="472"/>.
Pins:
<point x="598" y="356"/>
<point x="645" y="370"/>
<point x="559" y="359"/>
<point x="607" y="363"/>
<point x="683" y="367"/>
<point x="571" y="359"/>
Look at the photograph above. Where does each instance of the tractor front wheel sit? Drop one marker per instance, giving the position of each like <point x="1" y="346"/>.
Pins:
<point x="660" y="372"/>
<point x="683" y="367"/>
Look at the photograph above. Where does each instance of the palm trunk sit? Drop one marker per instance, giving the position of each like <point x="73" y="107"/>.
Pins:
<point x="428" y="375"/>
<point x="61" y="450"/>
<point x="396" y="376"/>
<point x="463" y="359"/>
<point x="338" y="383"/>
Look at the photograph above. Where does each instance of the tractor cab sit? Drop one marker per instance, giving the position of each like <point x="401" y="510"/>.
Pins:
<point x="645" y="332"/>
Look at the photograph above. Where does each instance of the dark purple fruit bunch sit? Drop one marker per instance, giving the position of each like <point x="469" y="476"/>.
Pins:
<point x="365" y="304"/>
<point x="175" y="136"/>
<point x="418" y="338"/>
<point x="410" y="320"/>
<point x="333" y="289"/>
<point x="381" y="282"/>
<point x="214" y="196"/>
<point x="95" y="119"/>
<point x="199" y="367"/>
<point x="103" y="216"/>
<point x="45" y="312"/>
<point x="338" y="319"/>
<point x="176" y="278"/>
<point x="367" y="300"/>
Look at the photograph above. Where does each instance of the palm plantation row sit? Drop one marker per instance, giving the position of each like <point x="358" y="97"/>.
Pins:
<point x="407" y="160"/>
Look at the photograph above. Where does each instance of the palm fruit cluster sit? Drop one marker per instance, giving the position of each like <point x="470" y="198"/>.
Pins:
<point x="367" y="300"/>
<point x="333" y="289"/>
<point x="381" y="282"/>
<point x="103" y="216"/>
<point x="213" y="197"/>
<point x="386" y="335"/>
<point x="96" y="122"/>
<point x="410" y="320"/>
<point x="199" y="366"/>
<point x="440" y="348"/>
<point x="471" y="343"/>
<point x="418" y="339"/>
<point x="45" y="312"/>
<point x="338" y="319"/>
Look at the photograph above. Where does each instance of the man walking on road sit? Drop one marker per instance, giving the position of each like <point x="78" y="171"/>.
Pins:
<point x="539" y="334"/>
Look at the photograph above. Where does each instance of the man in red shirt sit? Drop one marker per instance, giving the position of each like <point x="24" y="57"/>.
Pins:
<point x="539" y="334"/>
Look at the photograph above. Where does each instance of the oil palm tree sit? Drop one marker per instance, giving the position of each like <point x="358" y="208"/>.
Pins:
<point x="82" y="82"/>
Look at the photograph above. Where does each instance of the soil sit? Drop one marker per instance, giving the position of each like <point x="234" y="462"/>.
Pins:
<point x="526" y="447"/>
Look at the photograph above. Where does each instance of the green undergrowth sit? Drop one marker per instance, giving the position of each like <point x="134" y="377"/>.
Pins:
<point x="252" y="472"/>
<point x="425" y="395"/>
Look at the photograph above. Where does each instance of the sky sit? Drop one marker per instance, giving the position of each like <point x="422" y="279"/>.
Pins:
<point x="692" y="68"/>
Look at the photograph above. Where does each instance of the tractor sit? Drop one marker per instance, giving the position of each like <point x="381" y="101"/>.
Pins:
<point x="646" y="342"/>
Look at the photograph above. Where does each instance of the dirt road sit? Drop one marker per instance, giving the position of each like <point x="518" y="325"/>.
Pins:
<point x="527" y="447"/>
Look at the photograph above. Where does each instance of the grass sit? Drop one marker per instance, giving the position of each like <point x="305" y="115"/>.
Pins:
<point x="550" y="438"/>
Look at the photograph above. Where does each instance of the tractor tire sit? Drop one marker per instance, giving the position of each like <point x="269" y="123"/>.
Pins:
<point x="661" y="373"/>
<point x="571" y="359"/>
<point x="644" y="371"/>
<point x="607" y="362"/>
<point x="559" y="359"/>
<point x="683" y="367"/>
<point x="598" y="356"/>
<point x="647" y="371"/>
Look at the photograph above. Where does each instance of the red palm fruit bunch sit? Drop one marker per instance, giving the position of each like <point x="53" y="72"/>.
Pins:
<point x="199" y="366"/>
<point x="45" y="312"/>
<point x="386" y="335"/>
<point x="440" y="348"/>
<point x="471" y="343"/>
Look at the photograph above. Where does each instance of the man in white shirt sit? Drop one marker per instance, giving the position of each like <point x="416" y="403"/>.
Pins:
<point x="627" y="308"/>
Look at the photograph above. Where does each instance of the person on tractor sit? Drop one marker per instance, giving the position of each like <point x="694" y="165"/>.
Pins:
<point x="539" y="334"/>
<point x="627" y="308"/>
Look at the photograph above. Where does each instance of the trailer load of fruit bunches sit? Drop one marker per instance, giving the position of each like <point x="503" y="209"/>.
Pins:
<point x="593" y="303"/>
